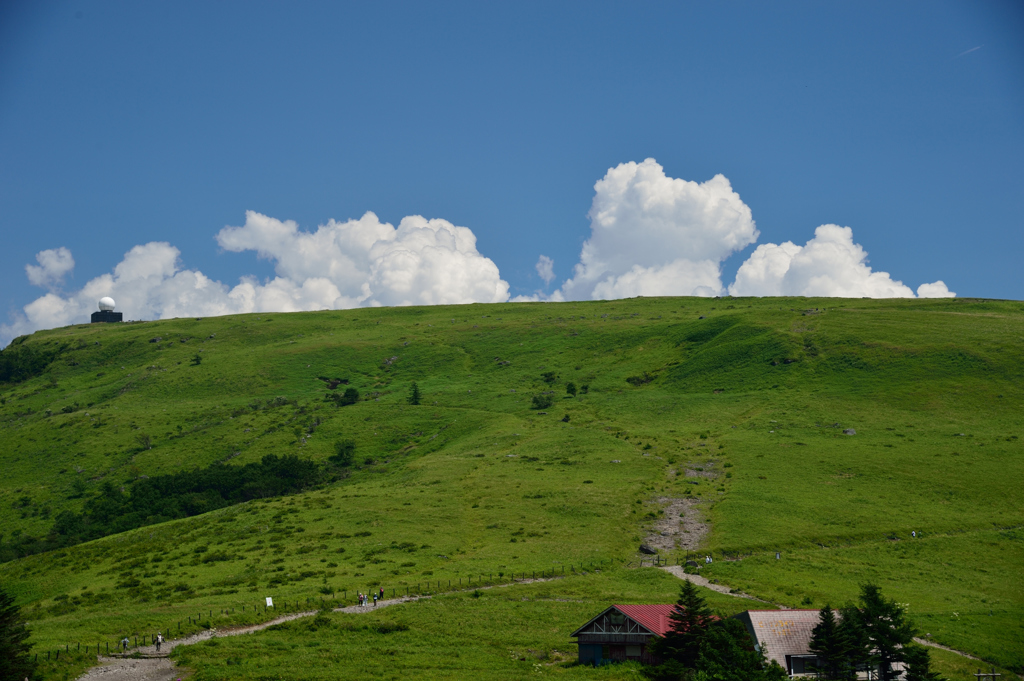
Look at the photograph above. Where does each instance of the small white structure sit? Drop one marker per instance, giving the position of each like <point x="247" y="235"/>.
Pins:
<point x="106" y="313"/>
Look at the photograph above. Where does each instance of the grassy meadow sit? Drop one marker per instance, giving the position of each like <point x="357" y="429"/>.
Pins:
<point x="740" y="404"/>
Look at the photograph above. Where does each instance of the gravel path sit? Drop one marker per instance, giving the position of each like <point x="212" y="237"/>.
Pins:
<point x="154" y="666"/>
<point x="679" y="572"/>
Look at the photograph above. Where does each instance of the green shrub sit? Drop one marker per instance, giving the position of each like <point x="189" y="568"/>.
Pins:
<point x="643" y="378"/>
<point x="541" y="402"/>
<point x="344" y="453"/>
<point x="19" y="362"/>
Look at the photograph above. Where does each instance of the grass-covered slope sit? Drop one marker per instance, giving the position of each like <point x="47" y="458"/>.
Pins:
<point x="740" y="403"/>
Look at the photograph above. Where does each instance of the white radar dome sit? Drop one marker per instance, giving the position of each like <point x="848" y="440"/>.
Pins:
<point x="106" y="304"/>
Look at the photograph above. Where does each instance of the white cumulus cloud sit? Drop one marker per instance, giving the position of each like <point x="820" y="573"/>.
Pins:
<point x="368" y="262"/>
<point x="830" y="264"/>
<point x="656" y="235"/>
<point x="341" y="265"/>
<point x="937" y="289"/>
<point x="54" y="263"/>
<point x="545" y="268"/>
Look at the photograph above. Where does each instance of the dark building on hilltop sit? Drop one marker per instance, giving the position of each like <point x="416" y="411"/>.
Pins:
<point x="106" y="316"/>
<point x="106" y="312"/>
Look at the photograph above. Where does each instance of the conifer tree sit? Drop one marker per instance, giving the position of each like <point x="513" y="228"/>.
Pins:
<point x="887" y="628"/>
<point x="15" y="663"/>
<point x="830" y="641"/>
<point x="919" y="665"/>
<point x="850" y="623"/>
<point x="690" y="621"/>
<point x="414" y="394"/>
<point x="727" y="653"/>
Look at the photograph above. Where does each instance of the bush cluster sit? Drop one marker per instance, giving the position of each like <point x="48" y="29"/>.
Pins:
<point x="180" y="495"/>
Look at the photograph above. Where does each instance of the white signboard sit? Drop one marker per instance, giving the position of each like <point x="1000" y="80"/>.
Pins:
<point x="270" y="602"/>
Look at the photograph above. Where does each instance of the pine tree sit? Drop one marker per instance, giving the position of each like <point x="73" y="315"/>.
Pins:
<point x="830" y="641"/>
<point x="919" y="665"/>
<point x="690" y="621"/>
<point x="14" y="648"/>
<point x="414" y="394"/>
<point x="886" y="630"/>
<point x="853" y="629"/>
<point x="727" y="653"/>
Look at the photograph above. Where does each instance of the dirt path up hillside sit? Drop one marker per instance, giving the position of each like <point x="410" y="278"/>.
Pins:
<point x="146" y="664"/>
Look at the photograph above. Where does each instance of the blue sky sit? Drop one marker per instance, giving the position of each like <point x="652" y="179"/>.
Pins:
<point x="126" y="123"/>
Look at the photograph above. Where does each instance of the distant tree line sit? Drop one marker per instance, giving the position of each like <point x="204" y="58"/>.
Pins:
<point x="177" y="495"/>
<point x="19" y="362"/>
<point x="184" y="494"/>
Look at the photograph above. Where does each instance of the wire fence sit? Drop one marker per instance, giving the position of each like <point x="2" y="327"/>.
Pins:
<point x="194" y="623"/>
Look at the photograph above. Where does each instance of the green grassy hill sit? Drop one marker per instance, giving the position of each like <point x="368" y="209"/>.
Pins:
<point x="738" y="407"/>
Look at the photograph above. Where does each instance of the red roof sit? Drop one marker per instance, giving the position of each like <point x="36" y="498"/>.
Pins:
<point x="654" y="617"/>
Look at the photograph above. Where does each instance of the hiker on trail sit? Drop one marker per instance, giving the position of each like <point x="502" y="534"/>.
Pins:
<point x="375" y="600"/>
<point x="159" y="640"/>
<point x="124" y="644"/>
<point x="382" y="593"/>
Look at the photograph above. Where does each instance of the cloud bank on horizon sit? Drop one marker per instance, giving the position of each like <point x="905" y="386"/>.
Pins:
<point x="651" y="235"/>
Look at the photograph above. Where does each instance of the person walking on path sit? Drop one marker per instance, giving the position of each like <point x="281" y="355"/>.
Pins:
<point x="159" y="640"/>
<point x="375" y="600"/>
<point x="124" y="644"/>
<point x="382" y="593"/>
